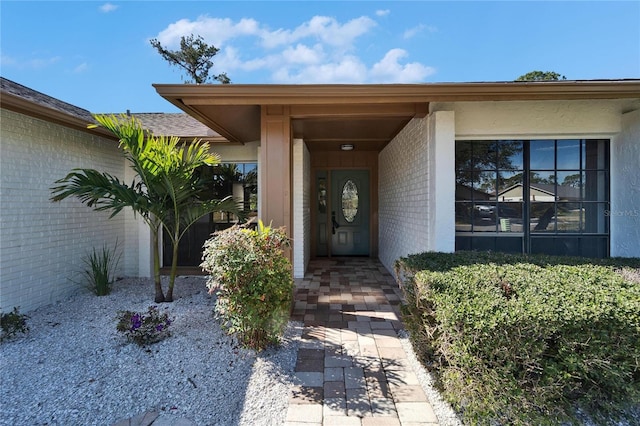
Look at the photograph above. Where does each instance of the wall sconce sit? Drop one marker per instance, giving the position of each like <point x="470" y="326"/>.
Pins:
<point x="346" y="147"/>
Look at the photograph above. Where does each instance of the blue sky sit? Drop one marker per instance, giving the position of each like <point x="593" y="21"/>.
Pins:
<point x="97" y="55"/>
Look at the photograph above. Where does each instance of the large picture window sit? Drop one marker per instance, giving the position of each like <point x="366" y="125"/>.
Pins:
<point x="533" y="196"/>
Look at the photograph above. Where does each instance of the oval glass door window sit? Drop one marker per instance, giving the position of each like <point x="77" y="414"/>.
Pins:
<point x="349" y="201"/>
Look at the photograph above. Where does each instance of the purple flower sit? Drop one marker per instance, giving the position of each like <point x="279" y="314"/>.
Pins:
<point x="159" y="327"/>
<point x="136" y="322"/>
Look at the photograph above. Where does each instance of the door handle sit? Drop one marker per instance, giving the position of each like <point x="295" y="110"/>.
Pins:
<point x="334" y="224"/>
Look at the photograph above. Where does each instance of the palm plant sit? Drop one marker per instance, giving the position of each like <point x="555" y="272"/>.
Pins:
<point x="164" y="192"/>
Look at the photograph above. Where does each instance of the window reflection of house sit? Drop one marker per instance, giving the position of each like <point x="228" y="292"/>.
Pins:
<point x="464" y="192"/>
<point x="559" y="209"/>
<point x="540" y="192"/>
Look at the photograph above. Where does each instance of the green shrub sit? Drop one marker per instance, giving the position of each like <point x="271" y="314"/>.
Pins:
<point x="252" y="275"/>
<point x="144" y="328"/>
<point x="526" y="339"/>
<point x="100" y="268"/>
<point x="13" y="323"/>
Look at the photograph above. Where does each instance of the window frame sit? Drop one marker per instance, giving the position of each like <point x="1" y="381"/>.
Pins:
<point x="594" y="150"/>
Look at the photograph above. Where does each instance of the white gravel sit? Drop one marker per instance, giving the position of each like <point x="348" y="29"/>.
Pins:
<point x="443" y="410"/>
<point x="74" y="368"/>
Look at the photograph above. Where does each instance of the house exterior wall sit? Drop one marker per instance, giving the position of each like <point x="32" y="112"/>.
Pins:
<point x="625" y="188"/>
<point x="301" y="208"/>
<point x="568" y="119"/>
<point x="417" y="178"/>
<point x="42" y="243"/>
<point x="403" y="183"/>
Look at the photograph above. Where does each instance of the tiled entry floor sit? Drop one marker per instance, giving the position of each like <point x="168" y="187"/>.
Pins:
<point x="351" y="367"/>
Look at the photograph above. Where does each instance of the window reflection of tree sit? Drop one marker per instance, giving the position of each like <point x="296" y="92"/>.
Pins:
<point x="475" y="158"/>
<point x="239" y="180"/>
<point x="224" y="176"/>
<point x="251" y="191"/>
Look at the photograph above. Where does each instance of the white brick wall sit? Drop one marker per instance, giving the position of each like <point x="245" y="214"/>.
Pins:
<point x="42" y="243"/>
<point x="301" y="208"/>
<point x="403" y="183"/>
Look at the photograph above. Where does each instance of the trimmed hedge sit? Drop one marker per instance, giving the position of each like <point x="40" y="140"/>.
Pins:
<point x="526" y="339"/>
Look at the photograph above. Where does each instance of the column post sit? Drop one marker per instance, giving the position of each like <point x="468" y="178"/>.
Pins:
<point x="442" y="181"/>
<point x="276" y="162"/>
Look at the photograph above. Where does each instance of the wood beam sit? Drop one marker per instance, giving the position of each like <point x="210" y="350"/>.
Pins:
<point x="275" y="167"/>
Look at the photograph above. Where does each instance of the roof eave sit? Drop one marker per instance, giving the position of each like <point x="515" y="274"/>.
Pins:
<point x="24" y="106"/>
<point x="183" y="95"/>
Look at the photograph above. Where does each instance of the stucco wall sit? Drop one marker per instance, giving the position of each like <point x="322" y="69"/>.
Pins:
<point x="301" y="208"/>
<point x="625" y="188"/>
<point x="42" y="243"/>
<point x="403" y="182"/>
<point x="559" y="119"/>
<point x="247" y="153"/>
<point x="442" y="181"/>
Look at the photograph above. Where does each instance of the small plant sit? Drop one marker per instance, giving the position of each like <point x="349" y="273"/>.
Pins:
<point x="253" y="276"/>
<point x="144" y="328"/>
<point x="13" y="323"/>
<point x="100" y="268"/>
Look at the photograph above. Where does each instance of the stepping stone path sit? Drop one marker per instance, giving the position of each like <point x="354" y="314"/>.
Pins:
<point x="351" y="367"/>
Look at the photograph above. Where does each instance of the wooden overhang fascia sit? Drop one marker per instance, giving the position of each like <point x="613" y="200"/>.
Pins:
<point x="258" y="94"/>
<point x="33" y="109"/>
<point x="362" y="100"/>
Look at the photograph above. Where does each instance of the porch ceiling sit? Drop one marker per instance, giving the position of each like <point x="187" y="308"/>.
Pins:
<point x="367" y="116"/>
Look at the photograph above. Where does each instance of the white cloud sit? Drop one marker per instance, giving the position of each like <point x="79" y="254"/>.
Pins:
<point x="34" y="63"/>
<point x="216" y="31"/>
<point x="108" y="7"/>
<point x="389" y="69"/>
<point x="319" y="50"/>
<point x="349" y="70"/>
<point x="412" y="32"/>
<point x="382" y="12"/>
<point x="6" y="61"/>
<point x="81" y="68"/>
<point x="301" y="54"/>
<point x="322" y="28"/>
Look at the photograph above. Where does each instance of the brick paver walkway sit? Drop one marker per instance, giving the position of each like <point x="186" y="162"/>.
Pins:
<point x="351" y="367"/>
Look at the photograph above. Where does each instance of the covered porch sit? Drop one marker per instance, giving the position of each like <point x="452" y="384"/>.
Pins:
<point x="403" y="136"/>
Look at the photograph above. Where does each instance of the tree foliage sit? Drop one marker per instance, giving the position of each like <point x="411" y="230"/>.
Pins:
<point x="166" y="192"/>
<point x="195" y="57"/>
<point x="541" y="76"/>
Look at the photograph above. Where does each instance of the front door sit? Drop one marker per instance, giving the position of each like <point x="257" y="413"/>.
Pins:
<point x="348" y="217"/>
